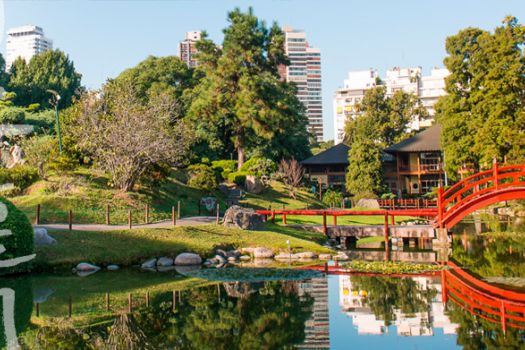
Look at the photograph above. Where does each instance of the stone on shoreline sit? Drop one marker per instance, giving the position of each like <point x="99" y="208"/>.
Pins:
<point x="112" y="267"/>
<point x="263" y="253"/>
<point x="165" y="261"/>
<point x="305" y="255"/>
<point x="245" y="258"/>
<point x="42" y="237"/>
<point x="325" y="256"/>
<point x="84" y="267"/>
<point x="149" y="264"/>
<point x="188" y="259"/>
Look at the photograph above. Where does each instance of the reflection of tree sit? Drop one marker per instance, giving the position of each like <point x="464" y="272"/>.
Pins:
<point x="494" y="254"/>
<point x="271" y="316"/>
<point x="385" y="295"/>
<point x="475" y="333"/>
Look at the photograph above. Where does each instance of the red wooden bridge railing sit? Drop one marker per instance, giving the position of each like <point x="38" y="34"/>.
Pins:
<point x="478" y="191"/>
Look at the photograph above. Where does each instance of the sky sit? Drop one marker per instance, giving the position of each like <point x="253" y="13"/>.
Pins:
<point x="104" y="37"/>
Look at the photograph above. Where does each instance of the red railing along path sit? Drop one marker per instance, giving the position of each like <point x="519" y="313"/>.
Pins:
<point x="478" y="191"/>
<point x="491" y="303"/>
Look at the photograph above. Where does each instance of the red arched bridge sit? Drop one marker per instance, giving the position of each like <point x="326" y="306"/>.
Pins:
<point x="468" y="195"/>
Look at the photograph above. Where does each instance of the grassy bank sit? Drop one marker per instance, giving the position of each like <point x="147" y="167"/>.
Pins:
<point x="276" y="196"/>
<point x="130" y="247"/>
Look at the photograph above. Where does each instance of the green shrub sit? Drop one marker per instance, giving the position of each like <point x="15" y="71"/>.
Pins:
<point x="22" y="176"/>
<point x="388" y="196"/>
<point x="224" y="167"/>
<point x="238" y="177"/>
<point x="259" y="166"/>
<point x="63" y="163"/>
<point x="332" y="197"/>
<point x="42" y="120"/>
<point x="20" y="242"/>
<point x="202" y="177"/>
<point x="12" y="115"/>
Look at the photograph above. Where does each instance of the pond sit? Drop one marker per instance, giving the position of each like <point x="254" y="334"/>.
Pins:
<point x="280" y="309"/>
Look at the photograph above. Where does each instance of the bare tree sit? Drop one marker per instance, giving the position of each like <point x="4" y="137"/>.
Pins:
<point x="125" y="136"/>
<point x="292" y="175"/>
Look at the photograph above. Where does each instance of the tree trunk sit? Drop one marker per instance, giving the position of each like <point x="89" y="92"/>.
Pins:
<point x="240" y="157"/>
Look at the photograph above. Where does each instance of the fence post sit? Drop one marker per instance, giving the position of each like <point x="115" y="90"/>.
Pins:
<point x="146" y="214"/>
<point x="130" y="223"/>
<point x="130" y="303"/>
<point x="178" y="210"/>
<point x="70" y="307"/>
<point x="199" y="205"/>
<point x="173" y="216"/>
<point x="174" y="300"/>
<point x="70" y="219"/>
<point x="37" y="305"/>
<point x="107" y="301"/>
<point x="37" y="219"/>
<point x="218" y="213"/>
<point x="147" y="299"/>
<point x="107" y="214"/>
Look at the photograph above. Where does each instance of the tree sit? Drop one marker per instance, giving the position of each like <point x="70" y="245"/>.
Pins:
<point x="292" y="174"/>
<point x="482" y="116"/>
<point x="125" y="136"/>
<point x="40" y="152"/>
<point x="383" y="122"/>
<point x="4" y="77"/>
<point x="49" y="70"/>
<point x="241" y="99"/>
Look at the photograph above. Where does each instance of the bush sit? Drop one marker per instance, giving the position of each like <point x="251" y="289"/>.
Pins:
<point x="22" y="176"/>
<point x="224" y="167"/>
<point x="41" y="120"/>
<point x="202" y="177"/>
<point x="331" y="197"/>
<point x="20" y="242"/>
<point x="259" y="166"/>
<point x="40" y="151"/>
<point x="238" y="177"/>
<point x="389" y="195"/>
<point x="12" y="115"/>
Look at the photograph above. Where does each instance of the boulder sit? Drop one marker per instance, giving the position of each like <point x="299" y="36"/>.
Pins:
<point x="113" y="267"/>
<point x="84" y="267"/>
<point x="42" y="237"/>
<point x="165" y="261"/>
<point x="232" y="259"/>
<point x="243" y="218"/>
<point x="283" y="256"/>
<point x="188" y="259"/>
<point x="325" y="257"/>
<point x="263" y="253"/>
<point x="219" y="259"/>
<point x="369" y="203"/>
<point x="149" y="264"/>
<point x="245" y="258"/>
<point x="254" y="184"/>
<point x="305" y="255"/>
<point x="248" y="250"/>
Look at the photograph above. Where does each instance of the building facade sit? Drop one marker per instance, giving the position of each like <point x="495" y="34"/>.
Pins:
<point x="427" y="88"/>
<point x="25" y="42"/>
<point x="187" y="48"/>
<point x="305" y="71"/>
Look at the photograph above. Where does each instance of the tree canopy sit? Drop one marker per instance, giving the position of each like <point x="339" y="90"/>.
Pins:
<point x="241" y="102"/>
<point x="383" y="121"/>
<point x="49" y="70"/>
<point x="483" y="115"/>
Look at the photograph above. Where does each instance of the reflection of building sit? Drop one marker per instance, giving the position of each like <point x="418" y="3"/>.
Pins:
<point x="410" y="80"/>
<point x="25" y="42"/>
<point x="305" y="71"/>
<point x="353" y="303"/>
<point x="317" y="327"/>
<point x="187" y="48"/>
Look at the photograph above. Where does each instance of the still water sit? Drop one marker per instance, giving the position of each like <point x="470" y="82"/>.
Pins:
<point x="459" y="308"/>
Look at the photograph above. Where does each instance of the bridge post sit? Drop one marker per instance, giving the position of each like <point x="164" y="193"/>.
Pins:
<point x="440" y="205"/>
<point x="495" y="172"/>
<point x="325" y="229"/>
<point x="387" y="248"/>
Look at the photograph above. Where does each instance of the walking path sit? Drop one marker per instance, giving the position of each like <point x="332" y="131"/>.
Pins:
<point x="194" y="220"/>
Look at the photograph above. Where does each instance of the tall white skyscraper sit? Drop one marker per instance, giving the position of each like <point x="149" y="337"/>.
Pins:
<point x="187" y="49"/>
<point x="305" y="71"/>
<point x="25" y="41"/>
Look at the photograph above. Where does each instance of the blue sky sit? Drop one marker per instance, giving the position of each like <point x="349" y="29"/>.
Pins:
<point x="105" y="37"/>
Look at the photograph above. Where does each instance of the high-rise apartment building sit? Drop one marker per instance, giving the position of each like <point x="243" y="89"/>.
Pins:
<point x="25" y="42"/>
<point x="187" y="49"/>
<point x="427" y="88"/>
<point x="305" y="71"/>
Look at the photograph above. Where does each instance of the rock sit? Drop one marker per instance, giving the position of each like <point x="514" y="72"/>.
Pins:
<point x="233" y="253"/>
<point x="42" y="237"/>
<point x="232" y="259"/>
<point x="113" y="267"/>
<point x="325" y="256"/>
<point x="149" y="264"/>
<point x="40" y="295"/>
<point x="283" y="256"/>
<point x="305" y="255"/>
<point x="219" y="259"/>
<point x="248" y="250"/>
<point x="208" y="262"/>
<point x="368" y="203"/>
<point x="254" y="184"/>
<point x="210" y="203"/>
<point x="341" y="256"/>
<point x="263" y="253"/>
<point x="245" y="258"/>
<point x="188" y="259"/>
<point x="244" y="218"/>
<point x="221" y="252"/>
<point x="83" y="267"/>
<point x="165" y="261"/>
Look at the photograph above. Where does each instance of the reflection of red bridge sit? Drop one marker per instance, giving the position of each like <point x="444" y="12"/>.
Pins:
<point x="491" y="303"/>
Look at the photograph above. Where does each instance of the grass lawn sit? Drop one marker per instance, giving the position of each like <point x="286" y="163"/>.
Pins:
<point x="130" y="247"/>
<point x="276" y="195"/>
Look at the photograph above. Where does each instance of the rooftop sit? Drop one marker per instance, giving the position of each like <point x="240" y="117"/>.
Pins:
<point x="334" y="155"/>
<point x="424" y="141"/>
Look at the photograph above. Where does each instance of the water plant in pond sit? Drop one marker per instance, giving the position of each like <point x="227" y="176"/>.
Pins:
<point x="391" y="267"/>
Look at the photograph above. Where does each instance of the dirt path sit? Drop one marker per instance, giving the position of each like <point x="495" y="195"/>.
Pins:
<point x="195" y="220"/>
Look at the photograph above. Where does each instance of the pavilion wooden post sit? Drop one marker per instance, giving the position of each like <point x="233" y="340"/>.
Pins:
<point x="37" y="219"/>
<point x="107" y="214"/>
<point x="173" y="216"/>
